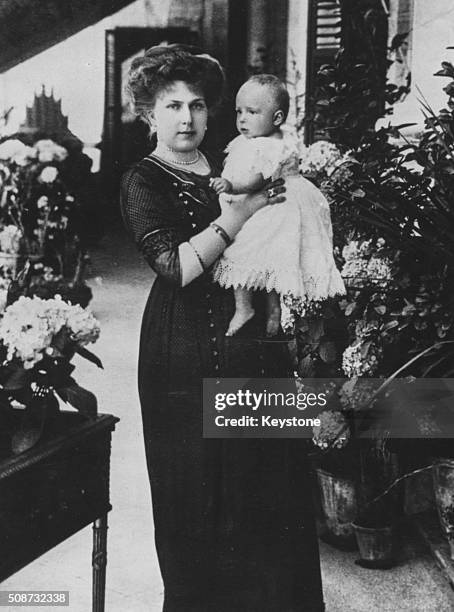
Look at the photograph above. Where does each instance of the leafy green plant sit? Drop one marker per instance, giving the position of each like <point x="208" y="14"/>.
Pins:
<point x="392" y="203"/>
<point x="401" y="194"/>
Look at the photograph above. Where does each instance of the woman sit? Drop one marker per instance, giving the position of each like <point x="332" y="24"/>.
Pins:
<point x="233" y="524"/>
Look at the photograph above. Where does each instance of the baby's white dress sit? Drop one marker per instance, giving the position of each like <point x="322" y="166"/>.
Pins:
<point x="286" y="247"/>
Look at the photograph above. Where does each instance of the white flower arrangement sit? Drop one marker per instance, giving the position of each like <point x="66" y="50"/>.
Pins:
<point x="358" y="362"/>
<point x="46" y="151"/>
<point x="15" y="151"/>
<point x="321" y="156"/>
<point x="364" y="263"/>
<point x="333" y="430"/>
<point x="29" y="327"/>
<point x="379" y="269"/>
<point x="50" y="151"/>
<point x="10" y="239"/>
<point x="48" y="175"/>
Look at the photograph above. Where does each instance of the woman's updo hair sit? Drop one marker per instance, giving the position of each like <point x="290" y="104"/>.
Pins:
<point x="160" y="66"/>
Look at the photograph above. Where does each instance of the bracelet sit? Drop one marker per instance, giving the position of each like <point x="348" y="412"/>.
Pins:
<point x="222" y="233"/>
<point x="197" y="254"/>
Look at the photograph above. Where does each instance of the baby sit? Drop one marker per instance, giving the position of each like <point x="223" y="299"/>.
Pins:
<point x="284" y="248"/>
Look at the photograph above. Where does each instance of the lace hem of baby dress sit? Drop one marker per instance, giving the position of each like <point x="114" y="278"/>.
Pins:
<point x="284" y="281"/>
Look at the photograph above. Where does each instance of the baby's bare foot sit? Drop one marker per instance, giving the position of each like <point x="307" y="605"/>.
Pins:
<point x="239" y="319"/>
<point x="273" y="322"/>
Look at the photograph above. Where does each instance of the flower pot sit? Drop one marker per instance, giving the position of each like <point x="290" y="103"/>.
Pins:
<point x="10" y="261"/>
<point x="443" y="482"/>
<point x="37" y="415"/>
<point x="376" y="546"/>
<point x="338" y="500"/>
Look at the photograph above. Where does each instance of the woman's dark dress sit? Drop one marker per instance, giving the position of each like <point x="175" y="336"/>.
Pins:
<point x="233" y="520"/>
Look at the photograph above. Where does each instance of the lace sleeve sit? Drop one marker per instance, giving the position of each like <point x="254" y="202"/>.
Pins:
<point x="147" y="216"/>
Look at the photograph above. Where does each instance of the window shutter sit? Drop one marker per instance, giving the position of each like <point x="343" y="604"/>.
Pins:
<point x="324" y="30"/>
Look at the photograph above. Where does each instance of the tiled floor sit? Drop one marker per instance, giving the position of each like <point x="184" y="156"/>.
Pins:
<point x="120" y="284"/>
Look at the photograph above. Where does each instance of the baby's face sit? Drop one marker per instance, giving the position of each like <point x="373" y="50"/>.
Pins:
<point x="255" y="109"/>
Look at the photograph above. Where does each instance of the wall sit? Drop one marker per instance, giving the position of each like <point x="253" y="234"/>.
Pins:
<point x="433" y="31"/>
<point x="75" y="67"/>
<point x="296" y="54"/>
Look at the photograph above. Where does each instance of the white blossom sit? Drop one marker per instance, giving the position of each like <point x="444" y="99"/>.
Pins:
<point x="10" y="237"/>
<point x="50" y="151"/>
<point x="48" y="174"/>
<point x="287" y="317"/>
<point x="355" y="364"/>
<point x="354" y="269"/>
<point x="11" y="148"/>
<point x="319" y="156"/>
<point x="24" y="157"/>
<point x="379" y="269"/>
<point x="43" y="202"/>
<point x="29" y="326"/>
<point x="332" y="431"/>
<point x="363" y="262"/>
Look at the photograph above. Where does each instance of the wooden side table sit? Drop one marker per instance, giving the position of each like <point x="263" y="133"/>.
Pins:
<point x="55" y="489"/>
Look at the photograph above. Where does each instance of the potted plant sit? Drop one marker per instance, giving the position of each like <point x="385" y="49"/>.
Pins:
<point x="377" y="511"/>
<point x="38" y="340"/>
<point x="392" y="208"/>
<point x="348" y="427"/>
<point x="49" y="232"/>
<point x="335" y="469"/>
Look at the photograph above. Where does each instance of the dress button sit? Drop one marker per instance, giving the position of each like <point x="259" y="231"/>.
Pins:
<point x="262" y="371"/>
<point x="211" y="324"/>
<point x="216" y="367"/>
<point x="180" y="195"/>
<point x="213" y="339"/>
<point x="191" y="212"/>
<point x="185" y="201"/>
<point x="215" y="353"/>
<point x="193" y="225"/>
<point x="175" y="184"/>
<point x="210" y="311"/>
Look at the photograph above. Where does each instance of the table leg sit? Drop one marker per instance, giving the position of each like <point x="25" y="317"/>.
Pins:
<point x="99" y="561"/>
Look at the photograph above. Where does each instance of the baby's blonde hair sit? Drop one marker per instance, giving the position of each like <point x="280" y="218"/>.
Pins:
<point x="278" y="89"/>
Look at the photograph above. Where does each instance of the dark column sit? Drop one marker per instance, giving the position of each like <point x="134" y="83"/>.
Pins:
<point x="277" y="21"/>
<point x="257" y="36"/>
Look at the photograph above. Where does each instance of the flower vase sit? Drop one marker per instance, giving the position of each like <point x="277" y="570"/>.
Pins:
<point x="443" y="482"/>
<point x="40" y="410"/>
<point x="338" y="500"/>
<point x="376" y="546"/>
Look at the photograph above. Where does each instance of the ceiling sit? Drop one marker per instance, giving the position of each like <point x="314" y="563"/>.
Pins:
<point x="28" y="27"/>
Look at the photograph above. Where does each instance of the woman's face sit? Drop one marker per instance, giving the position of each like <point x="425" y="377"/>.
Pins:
<point x="180" y="117"/>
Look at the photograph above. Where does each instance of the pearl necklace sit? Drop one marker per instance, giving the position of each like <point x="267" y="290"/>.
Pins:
<point x="178" y="162"/>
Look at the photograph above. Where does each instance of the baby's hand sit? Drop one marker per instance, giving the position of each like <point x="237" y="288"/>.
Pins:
<point x="221" y="185"/>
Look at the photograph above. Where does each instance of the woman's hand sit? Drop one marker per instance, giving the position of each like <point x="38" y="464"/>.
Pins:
<point x="272" y="193"/>
<point x="205" y="247"/>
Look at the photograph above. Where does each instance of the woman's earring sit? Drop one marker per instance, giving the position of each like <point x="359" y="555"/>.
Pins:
<point x="151" y="123"/>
